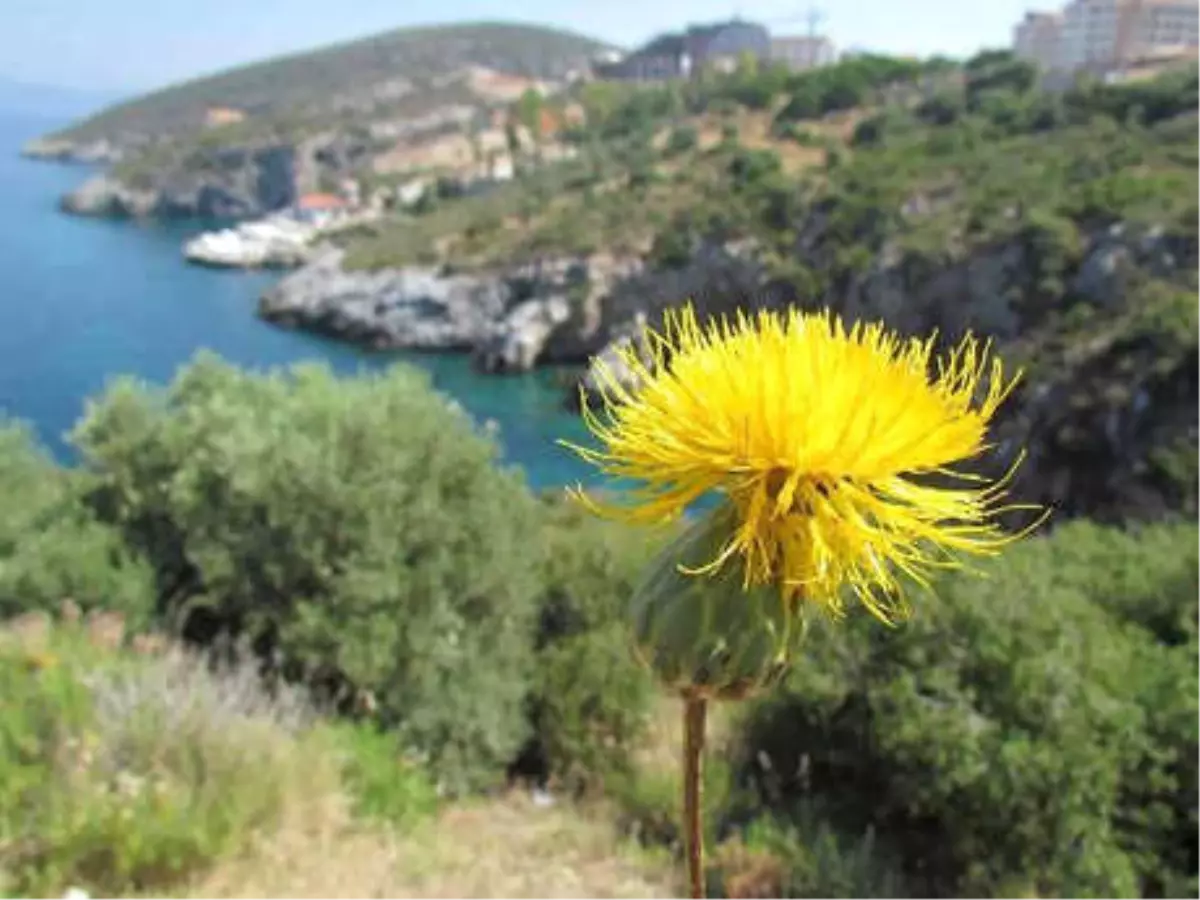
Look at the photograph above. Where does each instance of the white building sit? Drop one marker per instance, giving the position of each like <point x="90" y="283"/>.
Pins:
<point x="799" y="53"/>
<point x="1037" y="38"/>
<point x="1104" y="35"/>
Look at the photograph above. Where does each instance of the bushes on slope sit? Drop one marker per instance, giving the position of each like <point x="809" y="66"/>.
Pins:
<point x="356" y="531"/>
<point x="52" y="548"/>
<point x="590" y="700"/>
<point x="1032" y="730"/>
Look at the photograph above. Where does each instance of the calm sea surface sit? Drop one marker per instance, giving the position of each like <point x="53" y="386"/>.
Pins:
<point x="84" y="300"/>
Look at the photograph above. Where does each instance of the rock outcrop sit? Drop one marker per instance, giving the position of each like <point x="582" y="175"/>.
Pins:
<point x="1106" y="414"/>
<point x="223" y="183"/>
<point x="520" y="338"/>
<point x="105" y="196"/>
<point x="415" y="308"/>
<point x="553" y="311"/>
<point x="96" y="152"/>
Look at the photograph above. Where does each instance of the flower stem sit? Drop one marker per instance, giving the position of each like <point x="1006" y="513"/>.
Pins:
<point x="695" y="709"/>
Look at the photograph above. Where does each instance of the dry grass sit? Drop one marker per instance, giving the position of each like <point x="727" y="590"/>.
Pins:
<point x="503" y="847"/>
<point x="754" y="132"/>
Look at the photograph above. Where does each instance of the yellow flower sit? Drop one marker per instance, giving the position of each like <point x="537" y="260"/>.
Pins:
<point x="834" y="446"/>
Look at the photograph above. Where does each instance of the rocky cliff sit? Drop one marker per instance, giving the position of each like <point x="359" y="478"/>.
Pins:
<point x="1107" y="411"/>
<point x="552" y="311"/>
<point x="228" y="182"/>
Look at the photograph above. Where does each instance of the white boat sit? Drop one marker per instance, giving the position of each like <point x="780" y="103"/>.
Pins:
<point x="275" y="241"/>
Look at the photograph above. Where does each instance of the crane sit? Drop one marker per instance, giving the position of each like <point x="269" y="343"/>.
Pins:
<point x="813" y="18"/>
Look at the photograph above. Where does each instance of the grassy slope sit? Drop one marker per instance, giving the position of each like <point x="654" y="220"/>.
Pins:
<point x="314" y="79"/>
<point x="248" y="795"/>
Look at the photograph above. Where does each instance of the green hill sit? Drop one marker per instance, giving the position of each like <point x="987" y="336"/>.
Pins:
<point x="344" y="77"/>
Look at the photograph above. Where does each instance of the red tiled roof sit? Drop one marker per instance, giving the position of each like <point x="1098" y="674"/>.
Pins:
<point x="320" y="201"/>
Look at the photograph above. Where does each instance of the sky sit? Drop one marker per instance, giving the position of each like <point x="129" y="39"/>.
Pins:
<point x="130" y="46"/>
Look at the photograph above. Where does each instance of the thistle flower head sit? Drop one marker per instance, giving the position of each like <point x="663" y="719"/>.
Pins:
<point x="823" y="439"/>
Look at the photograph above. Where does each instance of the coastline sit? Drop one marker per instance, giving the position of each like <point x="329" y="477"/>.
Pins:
<point x="116" y="298"/>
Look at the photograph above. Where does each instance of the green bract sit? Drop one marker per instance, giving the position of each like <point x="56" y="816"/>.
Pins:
<point x="709" y="634"/>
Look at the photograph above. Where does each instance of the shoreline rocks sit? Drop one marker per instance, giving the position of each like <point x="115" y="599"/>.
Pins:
<point x="410" y="308"/>
<point x="104" y="196"/>
<point x="557" y="311"/>
<point x="99" y="152"/>
<point x="221" y="183"/>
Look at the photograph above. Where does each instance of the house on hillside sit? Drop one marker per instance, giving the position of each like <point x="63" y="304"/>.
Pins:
<point x="319" y="208"/>
<point x="216" y="116"/>
<point x="679" y="55"/>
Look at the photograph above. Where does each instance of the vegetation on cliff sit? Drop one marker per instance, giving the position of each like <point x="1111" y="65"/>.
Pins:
<point x="1063" y="225"/>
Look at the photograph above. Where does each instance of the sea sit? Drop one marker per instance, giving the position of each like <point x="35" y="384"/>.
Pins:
<point x="83" y="301"/>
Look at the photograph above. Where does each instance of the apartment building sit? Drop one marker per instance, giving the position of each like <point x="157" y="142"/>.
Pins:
<point x="1037" y="37"/>
<point x="1166" y="24"/>
<point x="805" y="52"/>
<point x="1105" y="35"/>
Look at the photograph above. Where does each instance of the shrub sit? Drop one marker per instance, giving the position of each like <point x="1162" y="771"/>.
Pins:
<point x="382" y="783"/>
<point x="1054" y="246"/>
<point x="748" y="168"/>
<point x="52" y="548"/>
<point x="682" y="140"/>
<point x="672" y="248"/>
<point x="591" y="699"/>
<point x="941" y="109"/>
<point x="804" y="859"/>
<point x="1019" y="734"/>
<point x="881" y="127"/>
<point x="997" y="72"/>
<point x="356" y="531"/>
<point x="123" y="775"/>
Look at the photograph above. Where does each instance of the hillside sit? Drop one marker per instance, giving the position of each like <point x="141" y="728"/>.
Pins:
<point x="357" y="77"/>
<point x="1061" y="225"/>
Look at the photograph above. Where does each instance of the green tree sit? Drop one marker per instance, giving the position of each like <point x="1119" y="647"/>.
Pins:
<point x="53" y="548"/>
<point x="529" y="108"/>
<point x="358" y="532"/>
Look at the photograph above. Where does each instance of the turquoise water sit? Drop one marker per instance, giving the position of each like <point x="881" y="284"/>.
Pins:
<point x="83" y="300"/>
